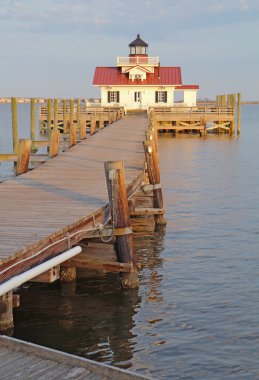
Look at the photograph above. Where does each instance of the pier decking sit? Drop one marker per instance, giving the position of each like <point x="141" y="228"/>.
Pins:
<point x="23" y="360"/>
<point x="53" y="206"/>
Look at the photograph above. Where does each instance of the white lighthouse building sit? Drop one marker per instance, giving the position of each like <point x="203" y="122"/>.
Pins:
<point x="139" y="82"/>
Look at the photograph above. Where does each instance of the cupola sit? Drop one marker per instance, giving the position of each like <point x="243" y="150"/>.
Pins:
<point x="138" y="47"/>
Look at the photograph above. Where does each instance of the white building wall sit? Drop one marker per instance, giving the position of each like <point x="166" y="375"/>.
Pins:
<point x="147" y="96"/>
<point x="189" y="98"/>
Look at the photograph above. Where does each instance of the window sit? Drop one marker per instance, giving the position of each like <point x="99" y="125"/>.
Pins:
<point x="161" y="96"/>
<point x="113" y="96"/>
<point x="137" y="96"/>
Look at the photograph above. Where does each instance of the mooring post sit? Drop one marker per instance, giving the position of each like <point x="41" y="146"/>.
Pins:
<point x="6" y="311"/>
<point x="116" y="184"/>
<point x="15" y="125"/>
<point x="49" y="112"/>
<point x="65" y="129"/>
<point x="54" y="143"/>
<point x="55" y="114"/>
<point x="71" y="112"/>
<point x="23" y="157"/>
<point x="33" y="125"/>
<point x="93" y="125"/>
<point x="233" y="122"/>
<point x="238" y="113"/>
<point x="78" y="116"/>
<point x="72" y="135"/>
<point x="101" y="121"/>
<point x="152" y="161"/>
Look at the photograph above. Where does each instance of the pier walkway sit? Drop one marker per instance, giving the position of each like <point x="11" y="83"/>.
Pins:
<point x="22" y="360"/>
<point x="51" y="208"/>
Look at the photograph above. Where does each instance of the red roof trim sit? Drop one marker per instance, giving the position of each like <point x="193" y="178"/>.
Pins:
<point x="188" y="87"/>
<point x="112" y="76"/>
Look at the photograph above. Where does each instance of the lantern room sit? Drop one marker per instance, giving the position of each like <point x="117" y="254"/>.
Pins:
<point x="138" y="47"/>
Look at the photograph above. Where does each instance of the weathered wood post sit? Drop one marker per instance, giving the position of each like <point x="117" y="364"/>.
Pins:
<point x="55" y="114"/>
<point x="116" y="184"/>
<point x="14" y="125"/>
<point x="71" y="112"/>
<point x="65" y="129"/>
<point x="6" y="311"/>
<point x="101" y="121"/>
<point x="238" y="113"/>
<point x="49" y="111"/>
<point x="72" y="135"/>
<point x="54" y="143"/>
<point x="93" y="125"/>
<point x="23" y="157"/>
<point x="233" y="123"/>
<point x="78" y="119"/>
<point x="151" y="155"/>
<point x="33" y="125"/>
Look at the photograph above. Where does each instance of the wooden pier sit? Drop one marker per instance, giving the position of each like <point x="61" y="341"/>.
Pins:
<point x="23" y="360"/>
<point x="218" y="117"/>
<point x="64" y="203"/>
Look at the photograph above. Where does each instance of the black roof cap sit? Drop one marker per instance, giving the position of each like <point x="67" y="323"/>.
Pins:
<point x="138" y="42"/>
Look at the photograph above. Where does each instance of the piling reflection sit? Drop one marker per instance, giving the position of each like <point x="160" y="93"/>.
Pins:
<point x="95" y="320"/>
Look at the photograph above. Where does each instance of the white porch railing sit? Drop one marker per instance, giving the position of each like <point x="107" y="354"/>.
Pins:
<point x="131" y="61"/>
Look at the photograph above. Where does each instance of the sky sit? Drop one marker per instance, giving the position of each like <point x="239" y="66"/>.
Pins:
<point x="50" y="48"/>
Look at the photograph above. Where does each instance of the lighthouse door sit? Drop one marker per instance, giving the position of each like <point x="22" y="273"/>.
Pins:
<point x="137" y="98"/>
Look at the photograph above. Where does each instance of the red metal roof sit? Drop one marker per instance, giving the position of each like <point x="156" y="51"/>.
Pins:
<point x="111" y="76"/>
<point x="188" y="87"/>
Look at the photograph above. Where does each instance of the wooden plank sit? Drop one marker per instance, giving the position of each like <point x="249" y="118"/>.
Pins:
<point x="65" y="365"/>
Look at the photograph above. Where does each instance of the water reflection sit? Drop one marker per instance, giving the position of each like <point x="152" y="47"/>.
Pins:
<point x="94" y="321"/>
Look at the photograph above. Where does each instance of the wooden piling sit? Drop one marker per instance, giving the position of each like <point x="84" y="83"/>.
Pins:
<point x="23" y="157"/>
<point x="49" y="125"/>
<point x="116" y="184"/>
<point x="55" y="114"/>
<point x="67" y="274"/>
<point x="238" y="113"/>
<point x="154" y="178"/>
<point x="15" y="125"/>
<point x="33" y="125"/>
<point x="6" y="311"/>
<point x="72" y="135"/>
<point x="93" y="125"/>
<point x="101" y="121"/>
<point x="71" y="112"/>
<point x="54" y="143"/>
<point x="65" y="127"/>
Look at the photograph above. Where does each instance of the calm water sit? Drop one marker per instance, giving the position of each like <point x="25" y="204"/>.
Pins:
<point x="196" y="313"/>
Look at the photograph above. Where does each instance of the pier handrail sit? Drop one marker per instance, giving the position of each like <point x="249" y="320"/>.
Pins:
<point x="196" y="110"/>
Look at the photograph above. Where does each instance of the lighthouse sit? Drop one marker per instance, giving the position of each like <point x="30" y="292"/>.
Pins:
<point x="138" y="81"/>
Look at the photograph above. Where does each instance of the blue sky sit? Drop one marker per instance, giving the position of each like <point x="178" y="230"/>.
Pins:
<point x="50" y="48"/>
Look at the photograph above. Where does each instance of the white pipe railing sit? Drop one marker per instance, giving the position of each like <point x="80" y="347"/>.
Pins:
<point x="36" y="271"/>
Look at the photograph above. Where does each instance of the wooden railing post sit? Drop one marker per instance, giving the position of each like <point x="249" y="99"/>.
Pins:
<point x="23" y="157"/>
<point x="116" y="184"/>
<point x="71" y="112"/>
<point x="55" y="114"/>
<point x="238" y="113"/>
<point x="65" y="127"/>
<point x="101" y="121"/>
<point x="151" y="155"/>
<point x="54" y="143"/>
<point x="72" y="135"/>
<point x="49" y="112"/>
<point x="93" y="125"/>
<point x="6" y="311"/>
<point x="15" y="125"/>
<point x="33" y="125"/>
